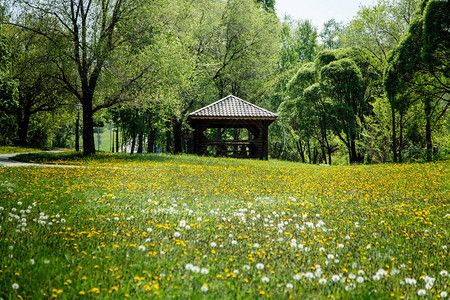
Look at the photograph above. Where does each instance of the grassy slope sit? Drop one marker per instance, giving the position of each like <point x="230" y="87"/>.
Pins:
<point x="116" y="228"/>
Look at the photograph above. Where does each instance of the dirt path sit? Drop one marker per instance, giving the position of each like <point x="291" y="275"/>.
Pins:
<point x="7" y="160"/>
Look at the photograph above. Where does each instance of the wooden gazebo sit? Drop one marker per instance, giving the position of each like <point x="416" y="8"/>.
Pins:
<point x="231" y="127"/>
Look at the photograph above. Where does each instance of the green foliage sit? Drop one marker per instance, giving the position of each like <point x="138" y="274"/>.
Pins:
<point x="331" y="35"/>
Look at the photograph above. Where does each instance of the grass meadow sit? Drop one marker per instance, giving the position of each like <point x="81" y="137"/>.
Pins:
<point x="185" y="227"/>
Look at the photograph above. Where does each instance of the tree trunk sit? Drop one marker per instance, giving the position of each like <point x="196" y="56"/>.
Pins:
<point x="88" y="128"/>
<point x="24" y="122"/>
<point x="428" y="129"/>
<point x="301" y="150"/>
<point x="133" y="142"/>
<point x="77" y="132"/>
<point x="353" y="155"/>
<point x="140" y="142"/>
<point x="168" y="138"/>
<point x="176" y="125"/>
<point x="117" y="139"/>
<point x="394" y="138"/>
<point x="151" y="140"/>
<point x="400" y="142"/>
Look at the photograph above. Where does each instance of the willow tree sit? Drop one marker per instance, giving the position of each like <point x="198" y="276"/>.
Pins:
<point x="419" y="66"/>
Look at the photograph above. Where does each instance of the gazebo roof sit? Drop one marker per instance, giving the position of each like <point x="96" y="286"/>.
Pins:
<point x="232" y="107"/>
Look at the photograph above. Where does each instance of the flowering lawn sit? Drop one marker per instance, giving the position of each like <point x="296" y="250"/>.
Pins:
<point x="187" y="227"/>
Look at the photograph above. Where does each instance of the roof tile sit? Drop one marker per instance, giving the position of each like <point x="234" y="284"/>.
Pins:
<point x="232" y="107"/>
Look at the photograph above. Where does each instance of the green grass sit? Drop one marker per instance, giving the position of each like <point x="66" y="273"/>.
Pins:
<point x="14" y="149"/>
<point x="187" y="227"/>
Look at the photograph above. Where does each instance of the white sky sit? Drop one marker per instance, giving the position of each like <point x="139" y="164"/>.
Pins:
<point x="320" y="11"/>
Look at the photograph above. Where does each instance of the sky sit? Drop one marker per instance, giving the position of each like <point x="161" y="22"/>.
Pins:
<point x="320" y="11"/>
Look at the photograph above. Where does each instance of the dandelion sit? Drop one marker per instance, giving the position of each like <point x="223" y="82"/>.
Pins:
<point x="376" y="277"/>
<point x="265" y="279"/>
<point x="46" y="261"/>
<point x="410" y="281"/>
<point x="324" y="281"/>
<point x="233" y="242"/>
<point x="182" y="223"/>
<point x="176" y="234"/>
<point x="189" y="266"/>
<point x="32" y="261"/>
<point x="149" y="229"/>
<point x="259" y="266"/>
<point x="289" y="286"/>
<point x="297" y="277"/>
<point x="335" y="278"/>
<point x="204" y="271"/>
<point x="443" y="273"/>
<point x="142" y="248"/>
<point x="204" y="288"/>
<point x="421" y="292"/>
<point x="195" y="269"/>
<point x="443" y="294"/>
<point x="15" y="286"/>
<point x="360" y="279"/>
<point x="213" y="244"/>
<point x="247" y="267"/>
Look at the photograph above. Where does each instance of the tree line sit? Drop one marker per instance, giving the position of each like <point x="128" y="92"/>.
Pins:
<point x="357" y="92"/>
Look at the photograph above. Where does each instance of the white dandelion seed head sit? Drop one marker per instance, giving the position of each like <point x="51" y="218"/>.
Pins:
<point x="289" y="286"/>
<point x="246" y="267"/>
<point x="443" y="294"/>
<point x="176" y="234"/>
<point x="142" y="248"/>
<point x="265" y="279"/>
<point x="421" y="292"/>
<point x="149" y="229"/>
<point x="189" y="266"/>
<point x="182" y="223"/>
<point x="204" y="271"/>
<point x="410" y="281"/>
<point x="323" y="280"/>
<point x="260" y="266"/>
<point x="32" y="261"/>
<point x="204" y="288"/>
<point x="443" y="273"/>
<point x="360" y="279"/>
<point x="213" y="244"/>
<point x="297" y="277"/>
<point x="195" y="269"/>
<point x="335" y="278"/>
<point x="15" y="286"/>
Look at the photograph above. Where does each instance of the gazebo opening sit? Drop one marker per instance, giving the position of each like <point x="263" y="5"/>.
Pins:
<point x="231" y="127"/>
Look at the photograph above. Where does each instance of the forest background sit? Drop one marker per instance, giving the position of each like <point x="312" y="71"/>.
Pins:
<point x="351" y="93"/>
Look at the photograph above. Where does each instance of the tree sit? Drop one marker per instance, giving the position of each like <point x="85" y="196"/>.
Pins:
<point x="342" y="81"/>
<point x="419" y="66"/>
<point x="330" y="34"/>
<point x="83" y="35"/>
<point x="268" y="5"/>
<point x="34" y="74"/>
<point x="8" y="93"/>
